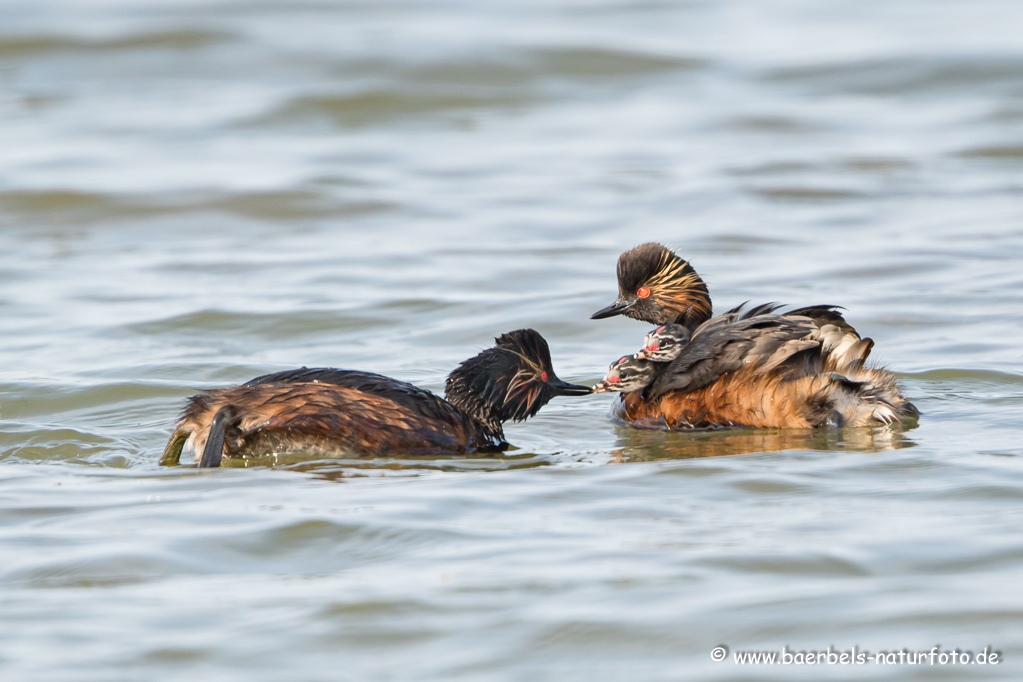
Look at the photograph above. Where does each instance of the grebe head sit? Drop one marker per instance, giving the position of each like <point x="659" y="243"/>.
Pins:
<point x="627" y="373"/>
<point x="665" y="343"/>
<point x="512" y="380"/>
<point x="657" y="286"/>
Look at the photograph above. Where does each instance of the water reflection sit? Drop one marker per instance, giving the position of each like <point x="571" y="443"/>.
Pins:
<point x="337" y="469"/>
<point x="637" y="445"/>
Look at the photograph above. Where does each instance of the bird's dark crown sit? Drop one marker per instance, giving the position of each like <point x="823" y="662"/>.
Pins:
<point x="510" y="381"/>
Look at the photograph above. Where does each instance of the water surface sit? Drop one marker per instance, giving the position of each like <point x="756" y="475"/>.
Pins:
<point x="194" y="193"/>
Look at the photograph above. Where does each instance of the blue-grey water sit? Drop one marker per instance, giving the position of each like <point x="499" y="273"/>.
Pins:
<point x="195" y="193"/>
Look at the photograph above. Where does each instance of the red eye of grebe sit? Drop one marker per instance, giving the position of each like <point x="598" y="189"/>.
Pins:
<point x="543" y="375"/>
<point x="642" y="292"/>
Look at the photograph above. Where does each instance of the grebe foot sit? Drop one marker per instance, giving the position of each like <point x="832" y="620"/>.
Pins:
<point x="172" y="453"/>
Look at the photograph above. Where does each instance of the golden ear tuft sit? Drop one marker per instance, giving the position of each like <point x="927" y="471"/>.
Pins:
<point x="672" y="287"/>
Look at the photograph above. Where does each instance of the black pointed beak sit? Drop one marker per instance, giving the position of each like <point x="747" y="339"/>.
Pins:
<point x="616" y="308"/>
<point x="564" y="388"/>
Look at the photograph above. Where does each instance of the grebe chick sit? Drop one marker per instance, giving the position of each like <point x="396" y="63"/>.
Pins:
<point x="665" y="343"/>
<point x="334" y="412"/>
<point x="627" y="373"/>
<point x="756" y="368"/>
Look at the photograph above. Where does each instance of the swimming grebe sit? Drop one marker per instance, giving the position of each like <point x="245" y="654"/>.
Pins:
<point x="756" y="368"/>
<point x="345" y="412"/>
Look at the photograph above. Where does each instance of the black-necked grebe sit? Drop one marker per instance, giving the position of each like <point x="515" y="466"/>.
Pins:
<point x="344" y="412"/>
<point x="756" y="368"/>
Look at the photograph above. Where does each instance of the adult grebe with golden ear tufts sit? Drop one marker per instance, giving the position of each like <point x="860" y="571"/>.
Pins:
<point x="756" y="368"/>
<point x="336" y="412"/>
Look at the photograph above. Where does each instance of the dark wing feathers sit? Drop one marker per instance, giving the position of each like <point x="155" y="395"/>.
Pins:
<point x="326" y="416"/>
<point x="326" y="375"/>
<point x="824" y="314"/>
<point x="737" y="313"/>
<point x="789" y="345"/>
<point x="718" y="346"/>
<point x="762" y="309"/>
<point x="402" y="393"/>
<point x="737" y="309"/>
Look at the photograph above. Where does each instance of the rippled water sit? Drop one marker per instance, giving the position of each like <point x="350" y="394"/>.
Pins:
<point x="194" y="193"/>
